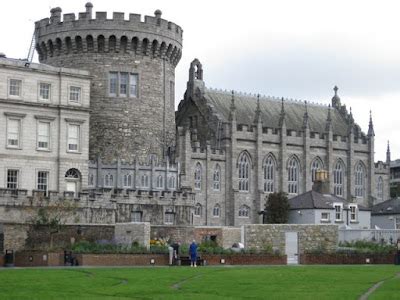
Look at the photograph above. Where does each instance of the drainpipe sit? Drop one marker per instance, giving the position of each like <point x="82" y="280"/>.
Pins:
<point x="59" y="131"/>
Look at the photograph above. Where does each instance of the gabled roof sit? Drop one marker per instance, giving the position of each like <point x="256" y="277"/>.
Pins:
<point x="246" y="106"/>
<point x="388" y="207"/>
<point x="315" y="200"/>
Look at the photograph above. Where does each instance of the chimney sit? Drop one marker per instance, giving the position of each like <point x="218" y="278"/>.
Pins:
<point x="321" y="183"/>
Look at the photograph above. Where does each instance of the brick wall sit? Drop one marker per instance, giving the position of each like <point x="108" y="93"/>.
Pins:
<point x="337" y="259"/>
<point x="121" y="259"/>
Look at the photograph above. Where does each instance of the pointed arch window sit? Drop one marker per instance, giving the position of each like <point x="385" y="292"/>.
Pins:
<point x="379" y="188"/>
<point x="197" y="210"/>
<point x="217" y="178"/>
<point x="171" y="183"/>
<point x="145" y="181"/>
<point x="108" y="180"/>
<point x="244" y="173"/>
<point x="359" y="180"/>
<point x="315" y="166"/>
<point x="338" y="174"/>
<point x="293" y="176"/>
<point x="244" y="211"/>
<point x="197" y="177"/>
<point x="127" y="180"/>
<point x="269" y="174"/>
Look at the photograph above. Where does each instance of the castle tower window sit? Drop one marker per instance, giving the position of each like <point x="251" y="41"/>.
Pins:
<point x="160" y="182"/>
<point x="43" y="181"/>
<point x="12" y="179"/>
<point x="197" y="210"/>
<point x="78" y="43"/>
<point x="293" y="176"/>
<point x="15" y="88"/>
<point x="269" y="174"/>
<point x="123" y="84"/>
<point x="359" y="180"/>
<point x="13" y="133"/>
<point x="338" y="179"/>
<point x="113" y="83"/>
<point x="217" y="178"/>
<point x="197" y="177"/>
<point x="169" y="217"/>
<point x="244" y="211"/>
<point x="74" y="94"/>
<point x="133" y="81"/>
<point x="136" y="216"/>
<point x="216" y="210"/>
<point x="44" y="91"/>
<point x="379" y="188"/>
<point x="315" y="166"/>
<point x="43" y="135"/>
<point x="89" y="43"/>
<point x="244" y="172"/>
<point x="73" y="138"/>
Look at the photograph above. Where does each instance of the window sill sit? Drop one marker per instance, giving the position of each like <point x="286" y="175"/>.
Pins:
<point x="43" y="150"/>
<point x="11" y="97"/>
<point x="325" y="221"/>
<point x="354" y="222"/>
<point x="339" y="222"/>
<point x="13" y="148"/>
<point x="74" y="152"/>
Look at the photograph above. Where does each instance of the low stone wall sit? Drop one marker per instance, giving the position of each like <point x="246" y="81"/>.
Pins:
<point x="38" y="259"/>
<point x="121" y="259"/>
<point x="129" y="233"/>
<point x="310" y="237"/>
<point x="344" y="259"/>
<point x="244" y="259"/>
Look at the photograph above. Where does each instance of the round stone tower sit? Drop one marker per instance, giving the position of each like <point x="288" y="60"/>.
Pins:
<point x="133" y="67"/>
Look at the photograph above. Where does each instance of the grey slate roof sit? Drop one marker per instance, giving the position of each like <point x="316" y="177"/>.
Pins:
<point x="388" y="207"/>
<point x="315" y="200"/>
<point x="270" y="112"/>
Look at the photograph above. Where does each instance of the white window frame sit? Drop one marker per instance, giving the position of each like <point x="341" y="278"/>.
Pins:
<point x="78" y="138"/>
<point x="20" y="81"/>
<point x="108" y="180"/>
<point x="160" y="182"/>
<point x="171" y="182"/>
<point x="328" y="217"/>
<point x="40" y="85"/>
<point x="131" y="85"/>
<point x="359" y="181"/>
<point x="47" y="178"/>
<point x="78" y="92"/>
<point x="38" y="147"/>
<point x="144" y="181"/>
<point x="353" y="209"/>
<point x="316" y="165"/>
<point x="11" y="182"/>
<point x="128" y="180"/>
<point x="338" y="179"/>
<point x="340" y="212"/>
<point x="19" y="133"/>
<point x="293" y="176"/>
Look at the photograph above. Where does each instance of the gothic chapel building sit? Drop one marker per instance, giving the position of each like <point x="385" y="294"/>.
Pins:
<point x="235" y="149"/>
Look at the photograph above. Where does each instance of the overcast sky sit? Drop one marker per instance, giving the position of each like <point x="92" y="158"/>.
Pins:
<point x="295" y="49"/>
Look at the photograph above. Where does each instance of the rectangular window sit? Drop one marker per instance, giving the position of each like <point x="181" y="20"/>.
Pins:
<point x="136" y="216"/>
<point x="44" y="91"/>
<point x="12" y="179"/>
<point x="325" y="216"/>
<point x="133" y="85"/>
<point x="15" y="87"/>
<point x="43" y="138"/>
<point x="169" y="218"/>
<point x="73" y="137"/>
<point x="113" y="83"/>
<point x="13" y="133"/>
<point x="338" y="212"/>
<point x="123" y="84"/>
<point x="353" y="213"/>
<point x="74" y="94"/>
<point x="43" y="181"/>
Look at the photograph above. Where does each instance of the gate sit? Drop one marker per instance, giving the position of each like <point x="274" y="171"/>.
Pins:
<point x="291" y="248"/>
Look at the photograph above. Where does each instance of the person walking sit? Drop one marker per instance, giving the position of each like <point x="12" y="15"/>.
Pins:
<point x="193" y="254"/>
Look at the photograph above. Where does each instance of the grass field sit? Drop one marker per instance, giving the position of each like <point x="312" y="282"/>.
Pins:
<point x="300" y="282"/>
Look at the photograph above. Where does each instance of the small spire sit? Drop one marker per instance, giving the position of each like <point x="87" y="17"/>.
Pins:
<point x="335" y="90"/>
<point x="371" y="125"/>
<point x="329" y="119"/>
<point x="282" y="107"/>
<point x="282" y="117"/>
<point x="233" y="100"/>
<point x="388" y="159"/>
<point x="232" y="115"/>
<point x="258" y="110"/>
<point x="335" y="98"/>
<point x="305" y="117"/>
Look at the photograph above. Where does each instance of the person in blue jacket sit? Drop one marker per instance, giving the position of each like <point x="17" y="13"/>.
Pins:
<point x="193" y="253"/>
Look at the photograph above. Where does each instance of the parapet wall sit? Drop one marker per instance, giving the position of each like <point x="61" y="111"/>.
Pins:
<point x="153" y="37"/>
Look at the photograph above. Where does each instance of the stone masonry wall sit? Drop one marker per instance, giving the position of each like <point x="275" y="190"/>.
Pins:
<point x="128" y="233"/>
<point x="311" y="237"/>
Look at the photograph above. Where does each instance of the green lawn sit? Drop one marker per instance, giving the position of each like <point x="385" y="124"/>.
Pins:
<point x="300" y="282"/>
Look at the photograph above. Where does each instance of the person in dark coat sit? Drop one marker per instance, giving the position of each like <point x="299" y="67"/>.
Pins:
<point x="193" y="253"/>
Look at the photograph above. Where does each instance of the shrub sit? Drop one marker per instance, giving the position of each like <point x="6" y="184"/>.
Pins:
<point x="365" y="247"/>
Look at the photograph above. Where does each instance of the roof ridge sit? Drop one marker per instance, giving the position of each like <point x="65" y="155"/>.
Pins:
<point x="265" y="97"/>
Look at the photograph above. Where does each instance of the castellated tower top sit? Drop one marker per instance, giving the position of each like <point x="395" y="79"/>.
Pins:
<point x="63" y="34"/>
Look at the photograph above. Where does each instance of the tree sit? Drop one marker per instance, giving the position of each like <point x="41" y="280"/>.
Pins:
<point x="276" y="208"/>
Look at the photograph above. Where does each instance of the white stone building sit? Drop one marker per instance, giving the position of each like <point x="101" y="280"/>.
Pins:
<point x="44" y="121"/>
